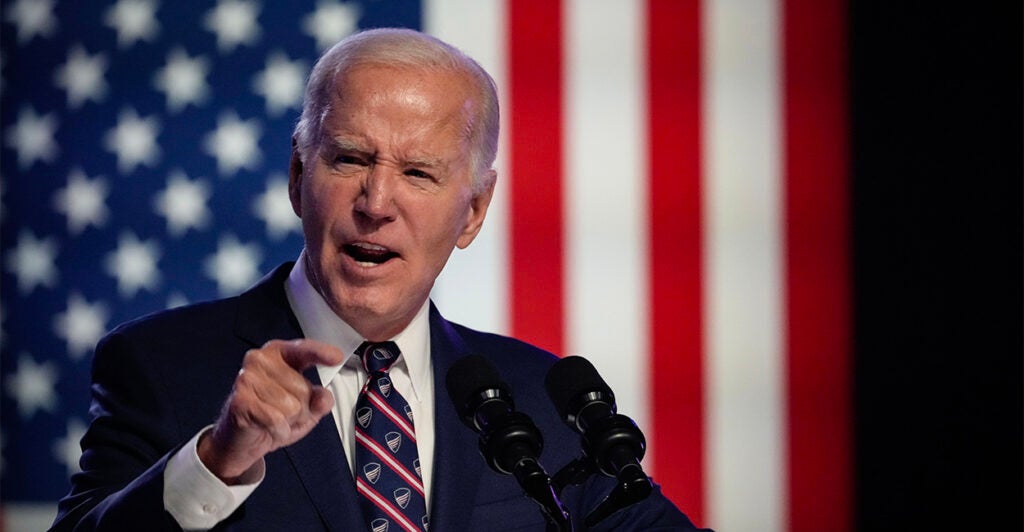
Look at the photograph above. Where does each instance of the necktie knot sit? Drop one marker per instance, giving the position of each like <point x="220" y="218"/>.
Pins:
<point x="378" y="356"/>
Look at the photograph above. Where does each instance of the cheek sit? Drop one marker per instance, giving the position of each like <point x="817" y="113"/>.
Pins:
<point x="323" y="201"/>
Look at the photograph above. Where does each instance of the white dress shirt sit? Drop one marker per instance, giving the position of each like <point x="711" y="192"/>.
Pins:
<point x="198" y="500"/>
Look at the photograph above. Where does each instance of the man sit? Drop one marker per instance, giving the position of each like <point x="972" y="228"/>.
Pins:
<point x="390" y="171"/>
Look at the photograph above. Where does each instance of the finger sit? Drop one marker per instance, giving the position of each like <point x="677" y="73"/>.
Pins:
<point x="254" y="418"/>
<point x="303" y="353"/>
<point x="270" y="380"/>
<point x="321" y="402"/>
<point x="270" y="374"/>
<point x="285" y="399"/>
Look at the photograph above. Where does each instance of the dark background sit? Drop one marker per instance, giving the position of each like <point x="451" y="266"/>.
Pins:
<point x="937" y="172"/>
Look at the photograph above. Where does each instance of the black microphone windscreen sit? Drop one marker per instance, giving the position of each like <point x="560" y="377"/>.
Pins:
<point x="467" y="377"/>
<point x="570" y="377"/>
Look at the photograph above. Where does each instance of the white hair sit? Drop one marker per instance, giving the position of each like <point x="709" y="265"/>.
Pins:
<point x="401" y="48"/>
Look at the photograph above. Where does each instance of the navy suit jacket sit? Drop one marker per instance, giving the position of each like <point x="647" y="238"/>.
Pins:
<point x="158" y="380"/>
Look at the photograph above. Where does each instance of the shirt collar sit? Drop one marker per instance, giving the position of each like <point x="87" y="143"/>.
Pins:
<point x="319" y="322"/>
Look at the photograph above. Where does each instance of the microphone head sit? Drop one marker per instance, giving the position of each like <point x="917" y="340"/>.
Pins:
<point x="573" y="380"/>
<point x="470" y="381"/>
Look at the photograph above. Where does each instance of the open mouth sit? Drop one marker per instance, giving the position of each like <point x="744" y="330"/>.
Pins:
<point x="369" y="253"/>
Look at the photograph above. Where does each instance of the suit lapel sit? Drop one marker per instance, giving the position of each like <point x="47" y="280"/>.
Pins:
<point x="264" y="313"/>
<point x="319" y="458"/>
<point x="456" y="472"/>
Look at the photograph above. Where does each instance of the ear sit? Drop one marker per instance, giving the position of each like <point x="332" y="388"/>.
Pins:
<point x="295" y="180"/>
<point x="477" y="212"/>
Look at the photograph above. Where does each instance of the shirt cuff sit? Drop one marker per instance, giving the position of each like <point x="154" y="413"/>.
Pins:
<point x="195" y="497"/>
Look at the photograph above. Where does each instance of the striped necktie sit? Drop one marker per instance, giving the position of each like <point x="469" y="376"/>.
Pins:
<point x="387" y="464"/>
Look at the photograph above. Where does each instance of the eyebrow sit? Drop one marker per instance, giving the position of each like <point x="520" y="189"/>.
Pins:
<point x="344" y="144"/>
<point x="349" y="145"/>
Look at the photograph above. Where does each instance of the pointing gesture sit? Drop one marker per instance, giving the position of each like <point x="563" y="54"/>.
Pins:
<point x="272" y="405"/>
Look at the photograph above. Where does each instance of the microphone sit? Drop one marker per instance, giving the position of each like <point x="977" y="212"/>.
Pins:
<point x="485" y="405"/>
<point x="611" y="441"/>
<point x="509" y="441"/>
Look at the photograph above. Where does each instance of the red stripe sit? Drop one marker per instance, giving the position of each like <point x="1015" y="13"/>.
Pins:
<point x="817" y="265"/>
<point x="395" y="417"/>
<point x="676" y="371"/>
<point x="535" y="164"/>
<point x="380" y="502"/>
<point x="374" y="447"/>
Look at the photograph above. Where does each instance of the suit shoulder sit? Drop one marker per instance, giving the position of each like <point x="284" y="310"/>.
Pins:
<point x="493" y="342"/>
<point x="514" y="358"/>
<point x="215" y="318"/>
<point x="184" y="321"/>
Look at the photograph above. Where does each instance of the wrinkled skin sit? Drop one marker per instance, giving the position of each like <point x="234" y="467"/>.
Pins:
<point x="385" y="198"/>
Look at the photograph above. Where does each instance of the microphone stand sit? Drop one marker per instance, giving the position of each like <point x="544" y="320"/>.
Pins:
<point x="511" y="447"/>
<point x="537" y="486"/>
<point x="620" y="445"/>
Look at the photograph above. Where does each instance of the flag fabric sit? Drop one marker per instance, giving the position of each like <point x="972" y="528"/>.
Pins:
<point x="671" y="204"/>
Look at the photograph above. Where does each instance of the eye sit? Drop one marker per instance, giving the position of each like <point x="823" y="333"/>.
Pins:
<point x="417" y="173"/>
<point x="349" y="159"/>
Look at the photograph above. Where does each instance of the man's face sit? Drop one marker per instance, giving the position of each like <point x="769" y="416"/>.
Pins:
<point x="388" y="194"/>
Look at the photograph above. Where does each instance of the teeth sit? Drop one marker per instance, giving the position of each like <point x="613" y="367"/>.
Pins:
<point x="370" y="247"/>
<point x="369" y="255"/>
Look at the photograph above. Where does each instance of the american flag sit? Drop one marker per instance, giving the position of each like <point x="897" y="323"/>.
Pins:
<point x="671" y="204"/>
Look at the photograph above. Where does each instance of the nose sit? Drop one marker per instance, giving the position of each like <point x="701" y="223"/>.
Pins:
<point x="376" y="198"/>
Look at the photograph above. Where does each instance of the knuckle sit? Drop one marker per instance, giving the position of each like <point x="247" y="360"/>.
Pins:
<point x="291" y="407"/>
<point x="253" y="358"/>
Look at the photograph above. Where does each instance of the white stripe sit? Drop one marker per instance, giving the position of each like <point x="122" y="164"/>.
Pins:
<point x="378" y="451"/>
<point x="395" y="417"/>
<point x="385" y="505"/>
<point x="743" y="286"/>
<point x="605" y="195"/>
<point x="473" y="289"/>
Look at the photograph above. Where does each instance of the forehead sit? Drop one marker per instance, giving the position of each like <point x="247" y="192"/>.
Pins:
<point x="401" y="111"/>
<point x="415" y="92"/>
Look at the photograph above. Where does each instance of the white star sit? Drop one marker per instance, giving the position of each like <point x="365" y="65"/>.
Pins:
<point x="133" y="264"/>
<point x="235" y="144"/>
<point x="67" y="450"/>
<point x="281" y="83"/>
<point x="235" y="266"/>
<point x="32" y="17"/>
<point x="32" y="386"/>
<point x="234" y="22"/>
<point x="83" y="201"/>
<point x="183" y="203"/>
<point x="275" y="209"/>
<point x="82" y="325"/>
<point x="32" y="262"/>
<point x="133" y="20"/>
<point x="176" y="299"/>
<point x="32" y="137"/>
<point x="82" y="77"/>
<point x="183" y="80"/>
<point x="331" y="22"/>
<point x="134" y="141"/>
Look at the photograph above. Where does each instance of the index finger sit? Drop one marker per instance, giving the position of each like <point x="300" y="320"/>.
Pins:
<point x="304" y="353"/>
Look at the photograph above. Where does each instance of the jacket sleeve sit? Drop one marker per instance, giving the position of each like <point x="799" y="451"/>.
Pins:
<point x="132" y="433"/>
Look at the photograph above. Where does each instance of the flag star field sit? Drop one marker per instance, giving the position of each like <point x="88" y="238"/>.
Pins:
<point x="145" y="149"/>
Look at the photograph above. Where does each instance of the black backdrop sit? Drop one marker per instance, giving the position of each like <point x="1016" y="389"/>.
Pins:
<point x="937" y="192"/>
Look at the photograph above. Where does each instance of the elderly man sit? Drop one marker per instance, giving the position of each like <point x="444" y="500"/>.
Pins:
<point x="334" y="417"/>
